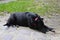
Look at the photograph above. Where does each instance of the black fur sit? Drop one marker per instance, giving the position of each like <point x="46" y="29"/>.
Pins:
<point x="28" y="19"/>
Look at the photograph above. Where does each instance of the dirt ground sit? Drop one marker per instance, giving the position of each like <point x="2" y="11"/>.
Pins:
<point x="24" y="33"/>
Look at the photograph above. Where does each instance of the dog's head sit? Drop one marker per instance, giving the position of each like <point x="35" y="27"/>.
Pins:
<point x="37" y="20"/>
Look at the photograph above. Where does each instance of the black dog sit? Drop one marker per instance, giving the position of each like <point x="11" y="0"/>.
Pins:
<point x="28" y="19"/>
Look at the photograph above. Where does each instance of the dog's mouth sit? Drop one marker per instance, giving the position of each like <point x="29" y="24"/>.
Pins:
<point x="36" y="18"/>
<point x="35" y="21"/>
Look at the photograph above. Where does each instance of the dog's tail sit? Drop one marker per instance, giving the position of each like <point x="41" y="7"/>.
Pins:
<point x="5" y="24"/>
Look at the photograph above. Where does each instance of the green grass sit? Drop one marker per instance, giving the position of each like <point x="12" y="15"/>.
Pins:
<point x="24" y="6"/>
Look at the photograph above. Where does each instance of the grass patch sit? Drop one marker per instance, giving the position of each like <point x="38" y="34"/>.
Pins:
<point x="24" y="6"/>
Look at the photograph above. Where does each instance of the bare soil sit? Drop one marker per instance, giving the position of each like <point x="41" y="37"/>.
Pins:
<point x="24" y="33"/>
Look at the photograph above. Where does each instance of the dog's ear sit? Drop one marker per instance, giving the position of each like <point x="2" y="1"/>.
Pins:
<point x="36" y="15"/>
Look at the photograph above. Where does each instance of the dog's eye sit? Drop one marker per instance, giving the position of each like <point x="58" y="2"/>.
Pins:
<point x="41" y="18"/>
